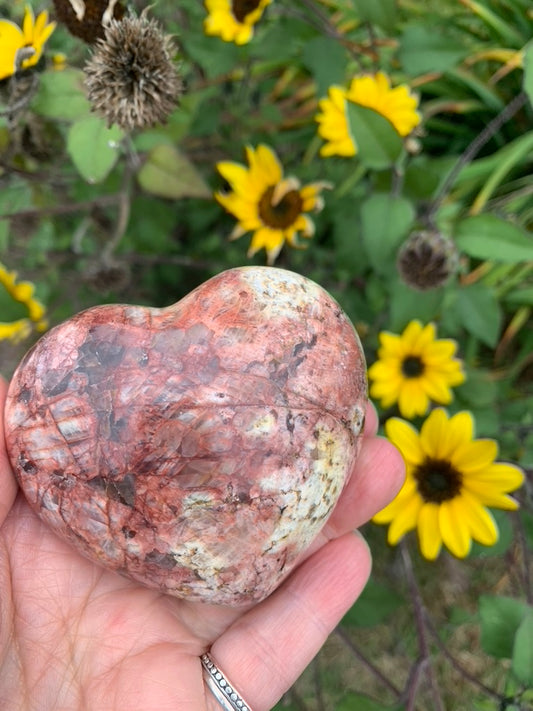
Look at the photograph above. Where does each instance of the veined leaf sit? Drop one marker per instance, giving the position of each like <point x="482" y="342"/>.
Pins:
<point x="169" y="174"/>
<point x="378" y="143"/>
<point x="93" y="147"/>
<point x="490" y="237"/>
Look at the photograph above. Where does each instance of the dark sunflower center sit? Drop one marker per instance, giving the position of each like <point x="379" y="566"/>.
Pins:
<point x="437" y="480"/>
<point x="412" y="367"/>
<point x="284" y="213"/>
<point x="242" y="8"/>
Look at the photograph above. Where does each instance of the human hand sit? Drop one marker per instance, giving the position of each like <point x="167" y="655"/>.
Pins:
<point x="74" y="636"/>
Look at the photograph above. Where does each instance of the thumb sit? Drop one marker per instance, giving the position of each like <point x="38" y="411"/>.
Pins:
<point x="8" y="484"/>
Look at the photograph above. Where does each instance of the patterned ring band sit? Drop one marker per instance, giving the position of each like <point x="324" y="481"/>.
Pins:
<point x="220" y="687"/>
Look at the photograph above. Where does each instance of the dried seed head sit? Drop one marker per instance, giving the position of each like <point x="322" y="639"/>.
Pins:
<point x="426" y="260"/>
<point x="86" y="20"/>
<point x="131" y="78"/>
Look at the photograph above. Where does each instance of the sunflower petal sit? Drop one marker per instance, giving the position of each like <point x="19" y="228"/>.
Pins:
<point x="429" y="536"/>
<point x="454" y="527"/>
<point x="406" y="439"/>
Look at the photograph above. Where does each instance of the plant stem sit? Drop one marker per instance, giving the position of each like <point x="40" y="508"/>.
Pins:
<point x="475" y="146"/>
<point x="456" y="665"/>
<point x="419" y="613"/>
<point x="366" y="662"/>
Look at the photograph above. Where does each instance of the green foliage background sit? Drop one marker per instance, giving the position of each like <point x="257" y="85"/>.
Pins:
<point x="92" y="216"/>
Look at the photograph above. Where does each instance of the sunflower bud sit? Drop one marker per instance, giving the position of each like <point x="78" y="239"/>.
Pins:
<point x="131" y="78"/>
<point x="426" y="260"/>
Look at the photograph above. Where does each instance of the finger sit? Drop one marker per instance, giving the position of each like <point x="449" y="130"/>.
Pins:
<point x="378" y="475"/>
<point x="371" y="420"/>
<point x="8" y="484"/>
<point x="267" y="649"/>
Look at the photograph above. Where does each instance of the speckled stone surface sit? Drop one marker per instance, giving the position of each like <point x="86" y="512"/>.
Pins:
<point x="197" y="449"/>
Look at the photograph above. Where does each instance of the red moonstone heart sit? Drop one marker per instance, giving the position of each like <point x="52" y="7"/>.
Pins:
<point x="197" y="449"/>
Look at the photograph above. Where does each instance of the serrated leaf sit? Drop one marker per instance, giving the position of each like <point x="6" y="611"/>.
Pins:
<point x="478" y="310"/>
<point x="500" y="618"/>
<point x="522" y="659"/>
<point x="385" y="221"/>
<point x="490" y="237"/>
<point x="378" y="143"/>
<point x="61" y="95"/>
<point x="93" y="147"/>
<point x="169" y="174"/>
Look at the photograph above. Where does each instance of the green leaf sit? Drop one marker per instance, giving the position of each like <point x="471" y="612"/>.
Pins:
<point x="374" y="605"/>
<point x="527" y="522"/>
<point x="500" y="618"/>
<point x="490" y="237"/>
<point x="378" y="143"/>
<point x="407" y="304"/>
<point x="424" y="49"/>
<point x="385" y="222"/>
<point x="505" y="528"/>
<point x="528" y="71"/>
<point x="169" y="174"/>
<point x="522" y="659"/>
<point x="325" y="58"/>
<point x="523" y="295"/>
<point x="93" y="147"/>
<point x="61" y="95"/>
<point x="478" y="310"/>
<point x="360" y="702"/>
<point x="378" y="12"/>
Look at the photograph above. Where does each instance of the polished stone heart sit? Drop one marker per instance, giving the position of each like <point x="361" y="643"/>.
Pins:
<point x="197" y="449"/>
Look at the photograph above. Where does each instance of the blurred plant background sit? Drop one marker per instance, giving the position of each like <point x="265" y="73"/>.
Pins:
<point x="422" y="211"/>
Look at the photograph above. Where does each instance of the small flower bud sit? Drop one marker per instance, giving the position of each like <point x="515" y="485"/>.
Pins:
<point x="426" y="260"/>
<point x="131" y="78"/>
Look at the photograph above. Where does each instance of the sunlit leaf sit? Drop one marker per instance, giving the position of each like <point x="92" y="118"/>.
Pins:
<point x="93" y="147"/>
<point x="490" y="237"/>
<point x="61" y="95"/>
<point x="378" y="144"/>
<point x="169" y="174"/>
<point x="522" y="660"/>
<point x="500" y="618"/>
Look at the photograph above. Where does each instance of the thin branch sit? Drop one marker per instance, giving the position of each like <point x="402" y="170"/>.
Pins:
<point x="66" y="209"/>
<point x="456" y="665"/>
<point x="475" y="146"/>
<point x="367" y="663"/>
<point x="419" y="613"/>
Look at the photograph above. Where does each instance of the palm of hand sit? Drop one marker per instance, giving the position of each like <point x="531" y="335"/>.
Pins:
<point x="74" y="636"/>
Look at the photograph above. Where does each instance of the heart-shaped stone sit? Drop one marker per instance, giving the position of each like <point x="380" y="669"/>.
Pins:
<point x="199" y="448"/>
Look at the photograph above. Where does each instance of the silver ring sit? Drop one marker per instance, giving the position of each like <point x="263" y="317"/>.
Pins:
<point x="220" y="687"/>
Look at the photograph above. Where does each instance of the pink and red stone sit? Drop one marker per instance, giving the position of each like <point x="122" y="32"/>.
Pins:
<point x="197" y="449"/>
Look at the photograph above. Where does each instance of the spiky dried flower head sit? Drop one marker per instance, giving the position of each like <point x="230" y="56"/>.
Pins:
<point x="131" y="78"/>
<point x="86" y="18"/>
<point x="427" y="259"/>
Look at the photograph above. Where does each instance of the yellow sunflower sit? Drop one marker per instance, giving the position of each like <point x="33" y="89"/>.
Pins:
<point x="264" y="202"/>
<point x="414" y="368"/>
<point x="22" y="292"/>
<point x="233" y="20"/>
<point x="33" y="36"/>
<point x="397" y="105"/>
<point x="451" y="479"/>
